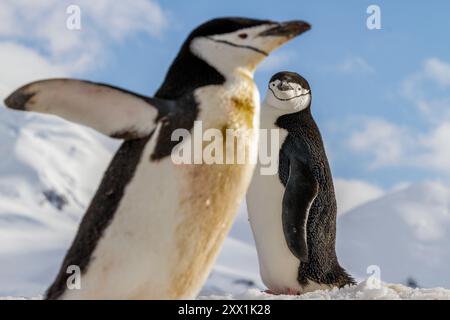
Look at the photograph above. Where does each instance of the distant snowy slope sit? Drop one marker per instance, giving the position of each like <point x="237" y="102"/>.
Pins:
<point x="48" y="173"/>
<point x="406" y="233"/>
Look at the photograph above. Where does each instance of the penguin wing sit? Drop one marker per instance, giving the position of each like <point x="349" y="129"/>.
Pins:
<point x="112" y="111"/>
<point x="301" y="190"/>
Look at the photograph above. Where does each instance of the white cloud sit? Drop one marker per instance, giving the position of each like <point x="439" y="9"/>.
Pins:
<point x="436" y="149"/>
<point x="357" y="65"/>
<point x="20" y="64"/>
<point x="120" y="18"/>
<point x="276" y="61"/>
<point x="392" y="144"/>
<point x="428" y="91"/>
<point x="352" y="193"/>
<point x="384" y="141"/>
<point x="8" y="24"/>
<point x="389" y="144"/>
<point x="41" y="26"/>
<point x="438" y="70"/>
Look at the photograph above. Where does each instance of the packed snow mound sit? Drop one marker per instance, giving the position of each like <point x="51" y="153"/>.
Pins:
<point x="405" y="233"/>
<point x="362" y="291"/>
<point x="21" y="298"/>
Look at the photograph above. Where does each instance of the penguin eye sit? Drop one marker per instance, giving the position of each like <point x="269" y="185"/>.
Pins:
<point x="243" y="35"/>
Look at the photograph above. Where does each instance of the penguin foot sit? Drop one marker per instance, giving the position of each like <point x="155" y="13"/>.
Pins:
<point x="288" y="292"/>
<point x="268" y="291"/>
<point x="293" y="292"/>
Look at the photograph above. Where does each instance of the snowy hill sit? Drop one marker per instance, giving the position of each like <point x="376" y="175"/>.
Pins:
<point x="406" y="233"/>
<point x="50" y="170"/>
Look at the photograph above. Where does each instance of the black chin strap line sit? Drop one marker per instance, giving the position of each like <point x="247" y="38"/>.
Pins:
<point x="239" y="46"/>
<point x="287" y="99"/>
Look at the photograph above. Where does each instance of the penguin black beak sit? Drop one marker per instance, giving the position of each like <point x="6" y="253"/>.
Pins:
<point x="284" y="86"/>
<point x="288" y="29"/>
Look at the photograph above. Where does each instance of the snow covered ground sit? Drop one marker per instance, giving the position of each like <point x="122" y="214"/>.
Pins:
<point x="362" y="291"/>
<point x="50" y="169"/>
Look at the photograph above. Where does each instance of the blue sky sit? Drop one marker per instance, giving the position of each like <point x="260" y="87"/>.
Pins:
<point x="343" y="89"/>
<point x="379" y="96"/>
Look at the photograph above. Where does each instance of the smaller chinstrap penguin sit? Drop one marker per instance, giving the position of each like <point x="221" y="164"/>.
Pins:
<point x="293" y="213"/>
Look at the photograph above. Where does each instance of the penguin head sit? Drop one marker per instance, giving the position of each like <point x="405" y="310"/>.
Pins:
<point x="288" y="92"/>
<point x="229" y="44"/>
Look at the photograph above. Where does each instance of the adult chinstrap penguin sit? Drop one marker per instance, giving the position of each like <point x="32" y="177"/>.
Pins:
<point x="154" y="228"/>
<point x="293" y="213"/>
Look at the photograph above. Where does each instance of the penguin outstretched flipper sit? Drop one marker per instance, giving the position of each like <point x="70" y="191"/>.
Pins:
<point x="112" y="111"/>
<point x="301" y="190"/>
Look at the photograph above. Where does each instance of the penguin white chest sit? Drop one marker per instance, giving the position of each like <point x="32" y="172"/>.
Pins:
<point x="172" y="219"/>
<point x="278" y="266"/>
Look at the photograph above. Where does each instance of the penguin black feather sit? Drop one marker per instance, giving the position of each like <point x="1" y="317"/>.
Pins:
<point x="304" y="138"/>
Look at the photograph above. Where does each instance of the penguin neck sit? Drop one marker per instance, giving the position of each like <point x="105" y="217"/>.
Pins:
<point x="302" y="121"/>
<point x="187" y="73"/>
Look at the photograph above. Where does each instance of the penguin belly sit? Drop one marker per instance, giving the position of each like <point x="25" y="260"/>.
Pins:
<point x="278" y="266"/>
<point x="160" y="244"/>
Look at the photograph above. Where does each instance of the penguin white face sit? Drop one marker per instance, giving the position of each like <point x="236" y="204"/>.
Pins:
<point x="288" y="92"/>
<point x="235" y="43"/>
